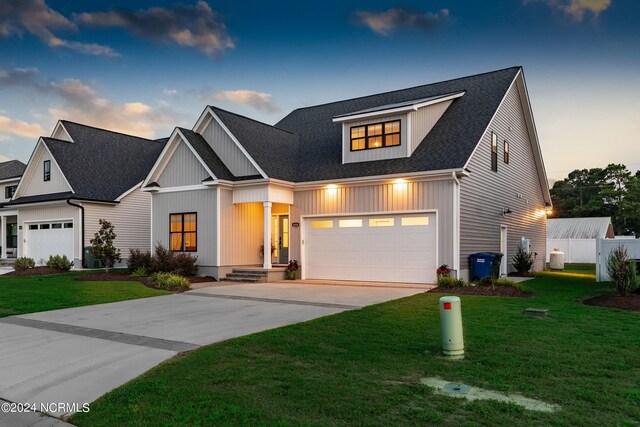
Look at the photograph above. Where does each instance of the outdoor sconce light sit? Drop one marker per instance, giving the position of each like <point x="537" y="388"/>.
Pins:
<point x="506" y="211"/>
<point x="548" y="209"/>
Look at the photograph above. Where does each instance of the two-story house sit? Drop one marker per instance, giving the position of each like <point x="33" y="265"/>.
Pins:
<point x="384" y="187"/>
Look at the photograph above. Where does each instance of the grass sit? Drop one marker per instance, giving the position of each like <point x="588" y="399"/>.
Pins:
<point x="363" y="367"/>
<point x="29" y="294"/>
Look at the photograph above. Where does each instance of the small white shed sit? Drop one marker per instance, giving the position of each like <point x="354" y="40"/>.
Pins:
<point x="576" y="237"/>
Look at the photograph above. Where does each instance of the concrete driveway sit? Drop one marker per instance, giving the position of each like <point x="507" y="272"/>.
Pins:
<point x="74" y="356"/>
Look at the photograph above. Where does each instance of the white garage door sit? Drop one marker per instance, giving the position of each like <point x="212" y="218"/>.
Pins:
<point x="49" y="238"/>
<point x="388" y="248"/>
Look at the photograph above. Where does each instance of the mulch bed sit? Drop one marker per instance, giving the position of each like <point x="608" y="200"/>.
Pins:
<point x="498" y="291"/>
<point x="37" y="271"/>
<point x="124" y="276"/>
<point x="629" y="302"/>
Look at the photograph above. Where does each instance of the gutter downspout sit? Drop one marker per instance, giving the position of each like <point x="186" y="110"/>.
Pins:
<point x="456" y="224"/>
<point x="81" y="230"/>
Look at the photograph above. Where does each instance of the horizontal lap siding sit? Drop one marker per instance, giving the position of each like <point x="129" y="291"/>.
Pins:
<point x="131" y="219"/>
<point x="49" y="213"/>
<point x="203" y="202"/>
<point x="380" y="198"/>
<point x="241" y="230"/>
<point x="484" y="194"/>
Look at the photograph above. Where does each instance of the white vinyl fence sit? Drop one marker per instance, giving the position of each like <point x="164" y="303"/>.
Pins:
<point x="575" y="250"/>
<point x="604" y="248"/>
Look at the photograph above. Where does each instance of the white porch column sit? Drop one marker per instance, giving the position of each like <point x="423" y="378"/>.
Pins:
<point x="267" y="235"/>
<point x="3" y="236"/>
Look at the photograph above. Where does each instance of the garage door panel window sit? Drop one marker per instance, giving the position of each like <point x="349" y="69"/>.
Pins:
<point x="322" y="224"/>
<point x="415" y="220"/>
<point x="68" y="225"/>
<point x="56" y="225"/>
<point x="33" y="226"/>
<point x="381" y="222"/>
<point x="44" y="226"/>
<point x="183" y="228"/>
<point x="350" y="223"/>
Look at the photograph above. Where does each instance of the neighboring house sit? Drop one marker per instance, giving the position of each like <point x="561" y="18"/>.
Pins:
<point x="384" y="187"/>
<point x="76" y="177"/>
<point x="10" y="173"/>
<point x="576" y="237"/>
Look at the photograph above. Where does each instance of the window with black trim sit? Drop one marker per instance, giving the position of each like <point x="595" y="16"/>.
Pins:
<point x="9" y="191"/>
<point x="47" y="170"/>
<point x="506" y="151"/>
<point x="376" y="135"/>
<point x="494" y="152"/>
<point x="183" y="232"/>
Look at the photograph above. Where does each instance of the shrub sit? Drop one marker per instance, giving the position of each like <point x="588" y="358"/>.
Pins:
<point x="170" y="282"/>
<point x="23" y="263"/>
<point x="446" y="281"/>
<point x="102" y="247"/>
<point x="507" y="282"/>
<point x="622" y="271"/>
<point x="138" y="259"/>
<point x="522" y="260"/>
<point x="60" y="262"/>
<point x="184" y="264"/>
<point x="139" y="272"/>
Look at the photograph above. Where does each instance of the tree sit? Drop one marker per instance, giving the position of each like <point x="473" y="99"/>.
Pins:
<point x="102" y="245"/>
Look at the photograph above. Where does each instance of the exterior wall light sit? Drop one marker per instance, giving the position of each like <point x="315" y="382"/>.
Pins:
<point x="332" y="189"/>
<point x="548" y="209"/>
<point x="506" y="211"/>
<point x="400" y="184"/>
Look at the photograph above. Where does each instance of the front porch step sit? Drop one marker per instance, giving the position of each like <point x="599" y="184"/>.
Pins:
<point x="7" y="262"/>
<point x="246" y="275"/>
<point x="243" y="279"/>
<point x="252" y="271"/>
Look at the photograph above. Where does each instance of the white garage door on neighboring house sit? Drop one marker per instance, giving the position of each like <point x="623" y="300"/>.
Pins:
<point x="49" y="238"/>
<point x="379" y="248"/>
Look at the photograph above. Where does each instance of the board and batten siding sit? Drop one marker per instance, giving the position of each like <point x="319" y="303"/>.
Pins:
<point x="226" y="149"/>
<point x="54" y="212"/>
<point x="34" y="182"/>
<point x="131" y="219"/>
<point x="516" y="186"/>
<point x="202" y="202"/>
<point x="423" y="120"/>
<point x="379" y="198"/>
<point x="395" y="152"/>
<point x="182" y="169"/>
<point x="241" y="231"/>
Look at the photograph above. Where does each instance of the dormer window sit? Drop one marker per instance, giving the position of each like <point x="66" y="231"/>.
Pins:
<point x="376" y="135"/>
<point x="47" y="170"/>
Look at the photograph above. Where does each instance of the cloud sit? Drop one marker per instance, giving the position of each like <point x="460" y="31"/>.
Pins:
<point x="258" y="100"/>
<point x="385" y="23"/>
<point x="9" y="126"/>
<point x="577" y="9"/>
<point x="169" y="92"/>
<point x="196" y="26"/>
<point x="83" y="104"/>
<point x="18" y="17"/>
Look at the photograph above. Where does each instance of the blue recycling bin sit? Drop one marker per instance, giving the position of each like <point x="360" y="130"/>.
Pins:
<point x="483" y="264"/>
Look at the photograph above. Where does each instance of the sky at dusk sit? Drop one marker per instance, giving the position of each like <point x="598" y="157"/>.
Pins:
<point x="145" y="67"/>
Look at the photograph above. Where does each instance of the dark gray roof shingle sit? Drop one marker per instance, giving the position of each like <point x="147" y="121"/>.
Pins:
<point x="447" y="146"/>
<point x="11" y="169"/>
<point x="275" y="150"/>
<point x="206" y="153"/>
<point x="100" y="164"/>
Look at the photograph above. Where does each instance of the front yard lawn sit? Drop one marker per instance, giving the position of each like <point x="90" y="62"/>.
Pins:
<point x="28" y="294"/>
<point x="364" y="367"/>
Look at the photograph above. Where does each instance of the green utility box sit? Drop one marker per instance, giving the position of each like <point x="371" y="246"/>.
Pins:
<point x="89" y="260"/>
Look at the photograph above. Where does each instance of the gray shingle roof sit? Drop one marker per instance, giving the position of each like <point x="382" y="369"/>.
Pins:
<point x="447" y="146"/>
<point x="275" y="150"/>
<point x="206" y="153"/>
<point x="399" y="104"/>
<point x="11" y="169"/>
<point x="579" y="228"/>
<point x="100" y="164"/>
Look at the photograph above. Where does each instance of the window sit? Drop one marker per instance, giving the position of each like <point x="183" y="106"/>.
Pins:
<point x="44" y="226"/>
<point x="494" y="152"/>
<point x="33" y="226"/>
<point x="9" y="191"/>
<point x="376" y="135"/>
<point x="415" y="220"/>
<point x="322" y="223"/>
<point x="47" y="170"/>
<point x="183" y="232"/>
<point x="68" y="225"/>
<point x="350" y="223"/>
<point x="506" y="151"/>
<point x="381" y="222"/>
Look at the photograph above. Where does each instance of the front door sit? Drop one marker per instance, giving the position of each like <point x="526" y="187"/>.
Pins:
<point x="283" y="239"/>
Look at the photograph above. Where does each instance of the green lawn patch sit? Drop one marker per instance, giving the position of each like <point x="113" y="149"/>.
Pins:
<point x="29" y="294"/>
<point x="364" y="367"/>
